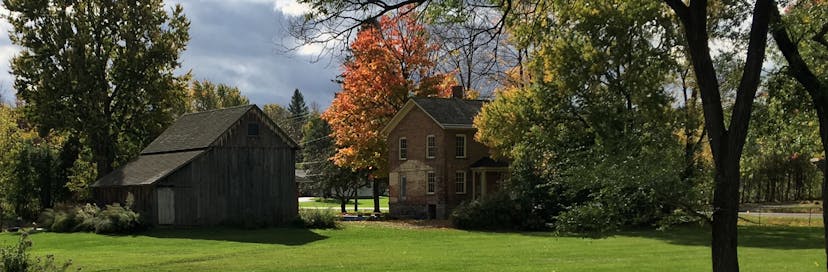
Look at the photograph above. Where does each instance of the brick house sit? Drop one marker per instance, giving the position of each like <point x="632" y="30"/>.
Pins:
<point x="435" y="163"/>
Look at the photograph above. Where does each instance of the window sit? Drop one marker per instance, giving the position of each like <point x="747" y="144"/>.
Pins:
<point x="252" y="129"/>
<point x="431" y="147"/>
<point x="460" y="182"/>
<point x="431" y="182"/>
<point x="403" y="148"/>
<point x="460" y="146"/>
<point x="402" y="186"/>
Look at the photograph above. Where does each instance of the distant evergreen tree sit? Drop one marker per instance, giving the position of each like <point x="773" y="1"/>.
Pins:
<point x="297" y="105"/>
<point x="298" y="117"/>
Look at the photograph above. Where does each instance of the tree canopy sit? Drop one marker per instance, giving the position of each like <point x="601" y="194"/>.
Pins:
<point x="390" y="61"/>
<point x="205" y="95"/>
<point x="100" y="70"/>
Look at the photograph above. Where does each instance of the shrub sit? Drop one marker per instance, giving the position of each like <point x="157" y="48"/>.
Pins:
<point x="112" y="219"/>
<point x="317" y="218"/>
<point x="15" y="258"/>
<point x="590" y="219"/>
<point x="495" y="212"/>
<point x="117" y="219"/>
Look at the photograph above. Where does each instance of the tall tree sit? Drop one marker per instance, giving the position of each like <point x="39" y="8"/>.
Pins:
<point x="205" y="95"/>
<point x="327" y="177"/>
<point x="298" y="117"/>
<point x="390" y="62"/>
<point x="574" y="135"/>
<point x="806" y="64"/>
<point x="726" y="142"/>
<point x="101" y="70"/>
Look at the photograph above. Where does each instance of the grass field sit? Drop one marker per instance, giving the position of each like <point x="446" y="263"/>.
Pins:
<point x="364" y="203"/>
<point x="382" y="246"/>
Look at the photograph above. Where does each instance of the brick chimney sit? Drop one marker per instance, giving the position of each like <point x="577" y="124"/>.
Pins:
<point x="457" y="92"/>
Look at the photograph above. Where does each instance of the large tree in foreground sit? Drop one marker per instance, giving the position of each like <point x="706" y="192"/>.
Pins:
<point x="726" y="141"/>
<point x="390" y="62"/>
<point x="99" y="70"/>
<point x="802" y="38"/>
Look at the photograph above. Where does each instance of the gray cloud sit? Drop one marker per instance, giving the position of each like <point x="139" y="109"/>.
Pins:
<point x="236" y="42"/>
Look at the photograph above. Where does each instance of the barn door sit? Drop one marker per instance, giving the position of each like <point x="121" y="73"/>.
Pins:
<point x="166" y="206"/>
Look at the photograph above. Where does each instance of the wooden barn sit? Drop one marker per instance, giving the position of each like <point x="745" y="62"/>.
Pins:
<point x="228" y="166"/>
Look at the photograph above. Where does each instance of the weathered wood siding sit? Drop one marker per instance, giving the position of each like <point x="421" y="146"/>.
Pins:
<point x="143" y="195"/>
<point x="243" y="180"/>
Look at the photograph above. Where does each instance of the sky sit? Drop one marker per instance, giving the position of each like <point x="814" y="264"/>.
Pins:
<point x="237" y="43"/>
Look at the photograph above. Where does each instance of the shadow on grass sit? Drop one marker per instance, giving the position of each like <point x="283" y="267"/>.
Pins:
<point x="772" y="237"/>
<point x="281" y="236"/>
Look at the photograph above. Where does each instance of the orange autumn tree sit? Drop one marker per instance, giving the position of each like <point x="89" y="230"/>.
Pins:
<point x="390" y="61"/>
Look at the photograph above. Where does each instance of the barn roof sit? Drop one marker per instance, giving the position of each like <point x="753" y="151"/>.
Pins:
<point x="190" y="135"/>
<point x="148" y="169"/>
<point x="196" y="130"/>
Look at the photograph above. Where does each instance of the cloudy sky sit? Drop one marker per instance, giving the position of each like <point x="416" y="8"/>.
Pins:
<point x="237" y="42"/>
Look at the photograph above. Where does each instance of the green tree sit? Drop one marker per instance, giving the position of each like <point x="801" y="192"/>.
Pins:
<point x="277" y="113"/>
<point x="327" y="177"/>
<point x="205" y="95"/>
<point x="32" y="171"/>
<point x="298" y="111"/>
<point x="597" y="127"/>
<point x="806" y="64"/>
<point x="99" y="70"/>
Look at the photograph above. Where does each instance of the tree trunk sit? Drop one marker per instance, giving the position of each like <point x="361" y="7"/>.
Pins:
<point x="823" y="133"/>
<point x="103" y="152"/>
<point x="726" y="142"/>
<point x="376" y="193"/>
<point x="725" y="217"/>
<point x="342" y="205"/>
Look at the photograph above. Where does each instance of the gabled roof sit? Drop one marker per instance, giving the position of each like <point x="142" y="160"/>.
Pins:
<point x="148" y="169"/>
<point x="446" y="112"/>
<point x="186" y="139"/>
<point x="201" y="129"/>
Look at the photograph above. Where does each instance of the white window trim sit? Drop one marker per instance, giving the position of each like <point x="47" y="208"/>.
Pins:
<point x="465" y="182"/>
<point x="431" y="156"/>
<point x="435" y="182"/>
<point x="465" y="145"/>
<point x="400" y="148"/>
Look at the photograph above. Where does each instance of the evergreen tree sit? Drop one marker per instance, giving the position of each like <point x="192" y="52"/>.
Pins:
<point x="298" y="111"/>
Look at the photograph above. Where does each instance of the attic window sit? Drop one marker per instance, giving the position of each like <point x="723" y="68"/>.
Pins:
<point x="253" y="129"/>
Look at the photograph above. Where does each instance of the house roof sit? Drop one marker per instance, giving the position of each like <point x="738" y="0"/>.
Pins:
<point x="148" y="169"/>
<point x="446" y="112"/>
<point x="450" y="111"/>
<point x="487" y="162"/>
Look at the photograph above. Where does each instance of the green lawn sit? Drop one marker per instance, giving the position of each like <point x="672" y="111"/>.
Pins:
<point x="373" y="246"/>
<point x="364" y="203"/>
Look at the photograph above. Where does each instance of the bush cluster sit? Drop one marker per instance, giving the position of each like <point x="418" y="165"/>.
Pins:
<point x="112" y="219"/>
<point x="496" y="212"/>
<point x="16" y="258"/>
<point x="317" y="218"/>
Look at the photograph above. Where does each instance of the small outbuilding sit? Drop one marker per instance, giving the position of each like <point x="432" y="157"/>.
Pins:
<point x="227" y="166"/>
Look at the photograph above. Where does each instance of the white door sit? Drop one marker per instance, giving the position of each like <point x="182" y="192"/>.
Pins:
<point x="166" y="206"/>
